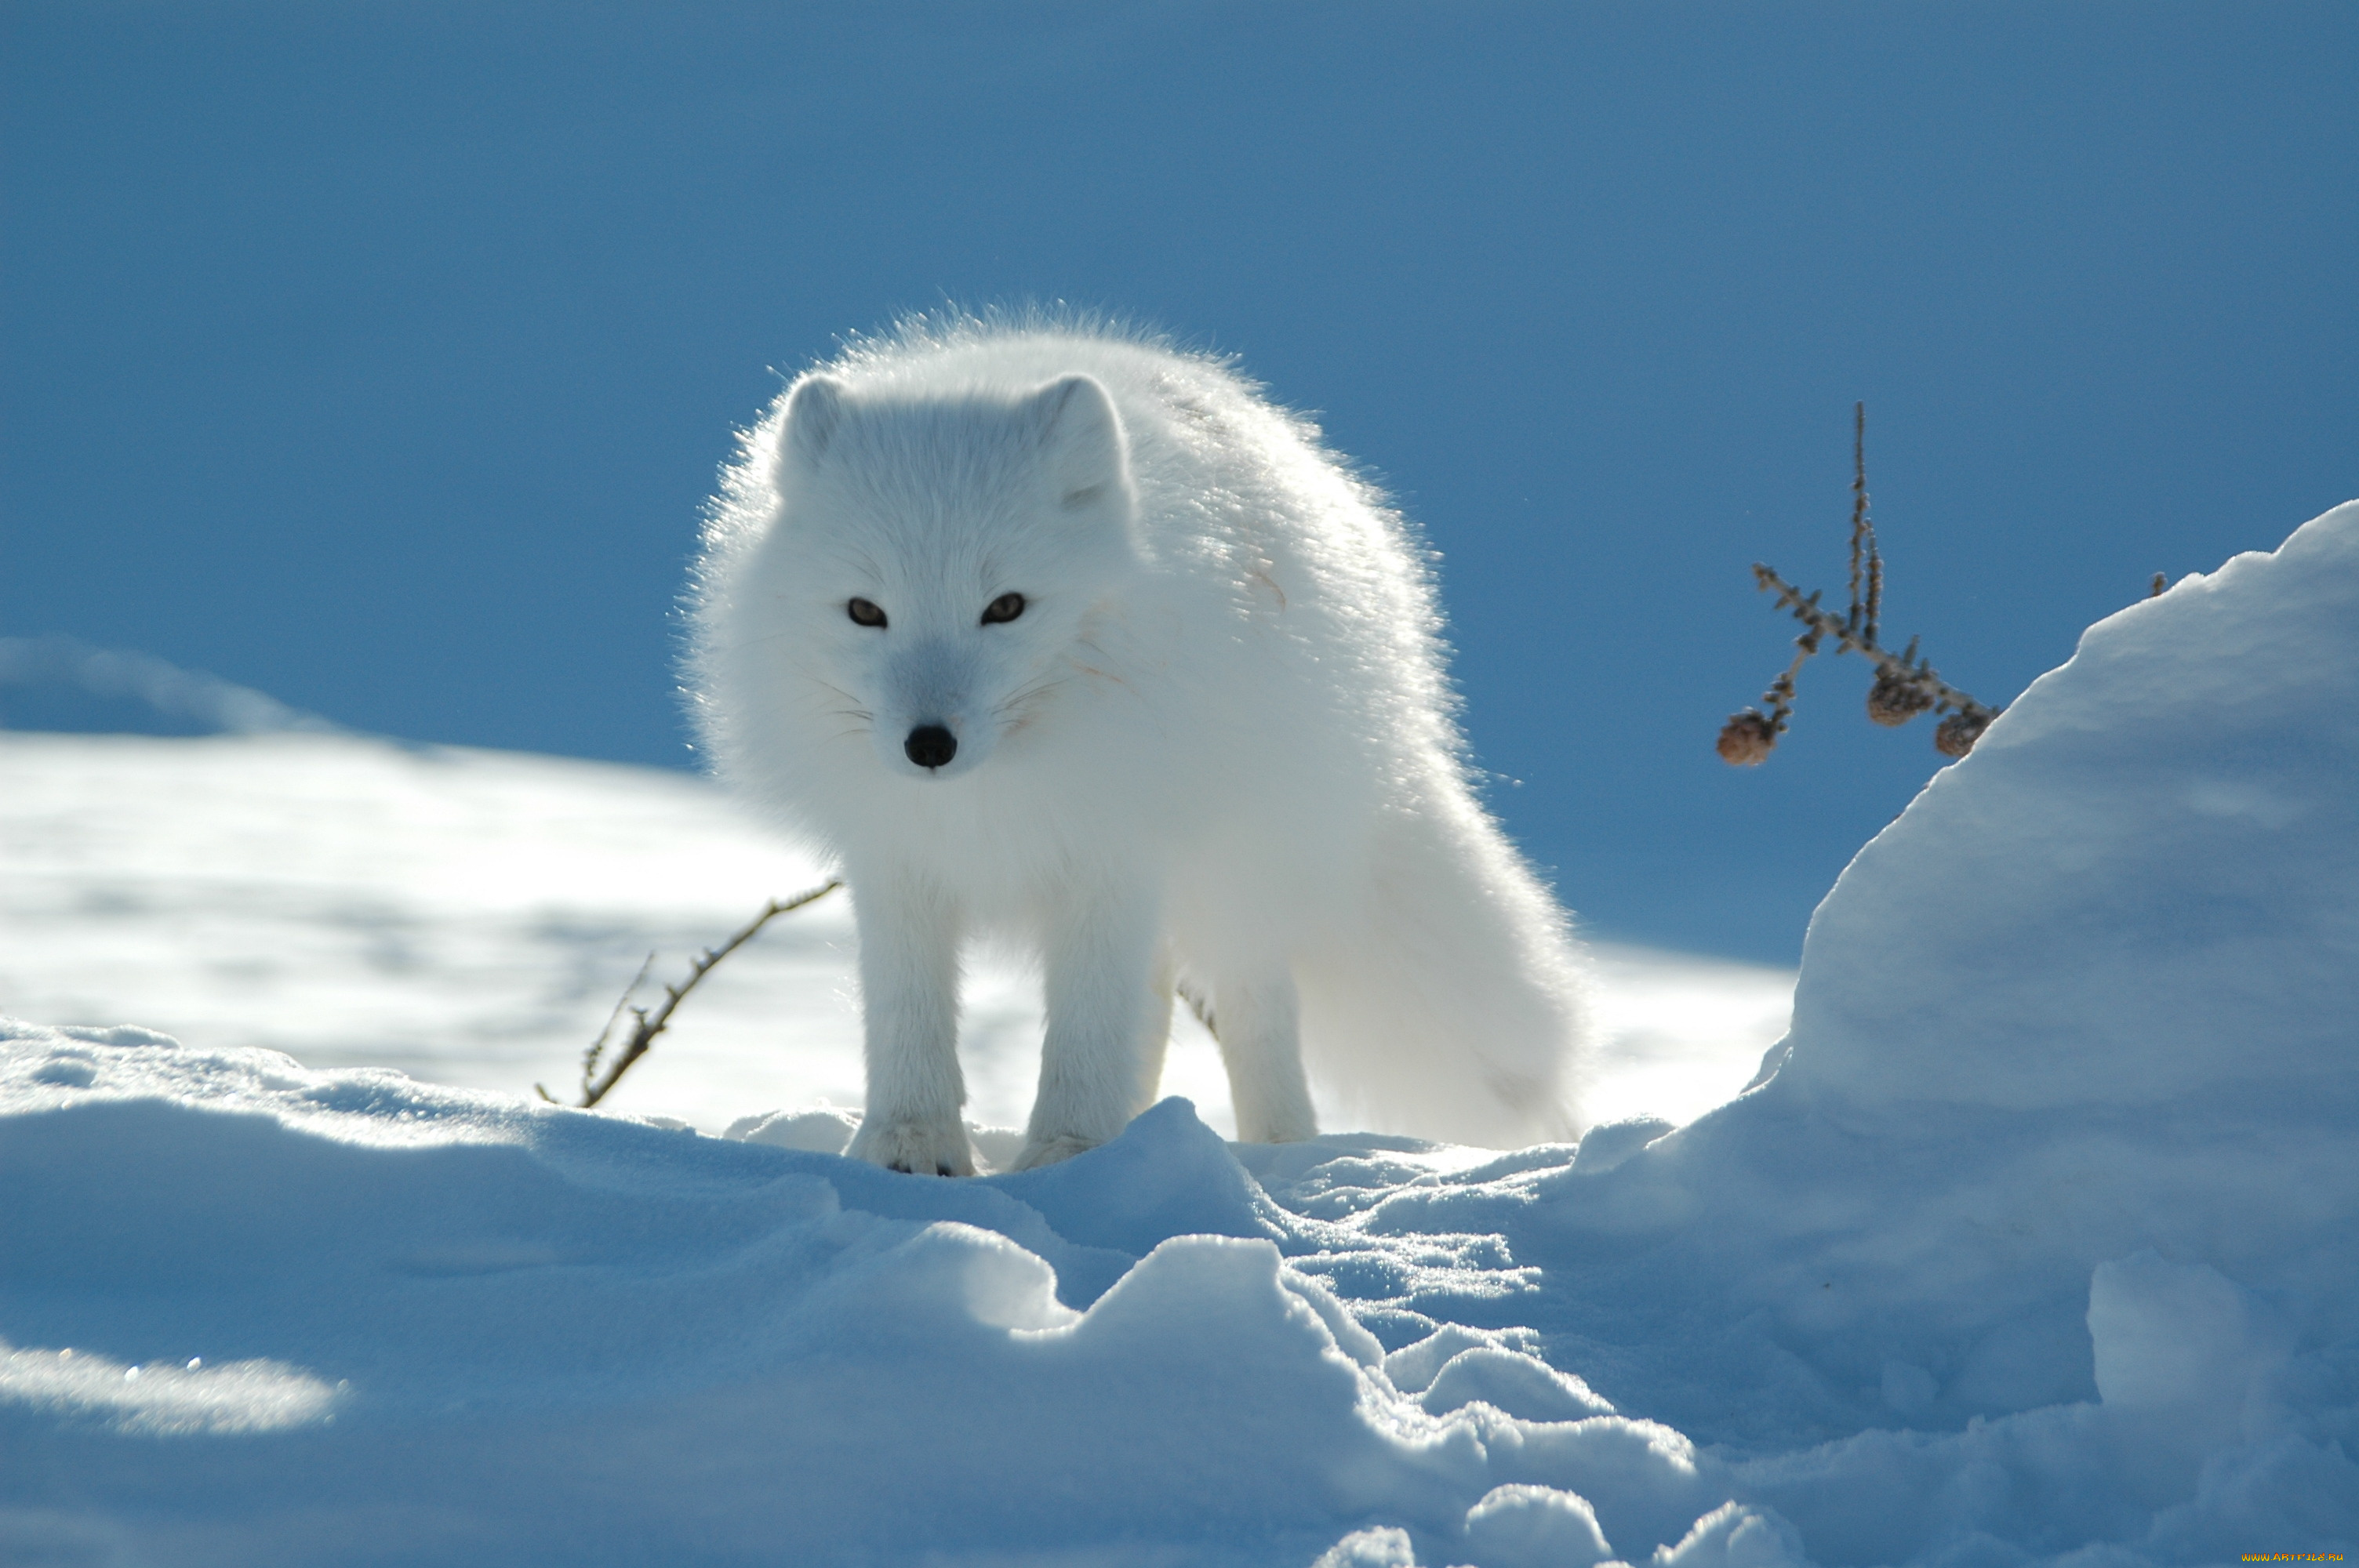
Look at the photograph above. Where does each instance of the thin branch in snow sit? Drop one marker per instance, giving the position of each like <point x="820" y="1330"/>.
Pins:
<point x="1906" y="683"/>
<point x="648" y="1023"/>
<point x="598" y="1046"/>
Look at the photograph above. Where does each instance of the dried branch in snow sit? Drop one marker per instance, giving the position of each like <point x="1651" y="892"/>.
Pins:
<point x="1905" y="684"/>
<point x="648" y="1023"/>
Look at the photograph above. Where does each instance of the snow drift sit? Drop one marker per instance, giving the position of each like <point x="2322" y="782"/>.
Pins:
<point x="2036" y="1244"/>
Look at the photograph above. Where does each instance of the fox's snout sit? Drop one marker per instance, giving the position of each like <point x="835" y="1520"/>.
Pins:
<point x="933" y="705"/>
<point x="930" y="746"/>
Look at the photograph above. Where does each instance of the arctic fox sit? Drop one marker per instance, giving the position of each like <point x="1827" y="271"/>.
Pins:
<point x="1053" y="632"/>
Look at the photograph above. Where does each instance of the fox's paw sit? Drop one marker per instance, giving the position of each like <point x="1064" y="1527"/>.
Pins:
<point x="1039" y="1151"/>
<point x="920" y="1148"/>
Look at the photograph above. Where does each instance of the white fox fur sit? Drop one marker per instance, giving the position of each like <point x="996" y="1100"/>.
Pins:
<point x="1213" y="749"/>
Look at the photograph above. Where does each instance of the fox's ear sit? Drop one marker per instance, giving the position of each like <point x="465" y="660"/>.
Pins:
<point x="814" y="412"/>
<point x="1081" y="439"/>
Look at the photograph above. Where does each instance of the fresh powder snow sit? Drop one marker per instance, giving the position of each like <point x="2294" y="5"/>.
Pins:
<point x="2036" y="1241"/>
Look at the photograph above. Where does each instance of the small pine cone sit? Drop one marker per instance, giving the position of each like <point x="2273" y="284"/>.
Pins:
<point x="1746" y="740"/>
<point x="1956" y="735"/>
<point x="1894" y="700"/>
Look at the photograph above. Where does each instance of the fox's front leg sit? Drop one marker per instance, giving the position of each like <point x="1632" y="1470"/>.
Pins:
<point x="1100" y="977"/>
<point x="910" y="1006"/>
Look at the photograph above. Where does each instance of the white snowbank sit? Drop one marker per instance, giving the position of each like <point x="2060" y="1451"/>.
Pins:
<point x="2041" y="1245"/>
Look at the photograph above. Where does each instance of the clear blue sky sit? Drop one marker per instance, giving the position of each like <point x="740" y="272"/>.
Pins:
<point x="378" y="355"/>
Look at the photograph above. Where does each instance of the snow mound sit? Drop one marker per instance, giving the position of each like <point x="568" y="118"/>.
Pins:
<point x="2036" y="1244"/>
<point x="482" y="1324"/>
<point x="2151" y="857"/>
<point x="59" y="683"/>
<point x="2048" y="1213"/>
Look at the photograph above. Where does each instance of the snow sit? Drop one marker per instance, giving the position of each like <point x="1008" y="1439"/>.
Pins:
<point x="2036" y="1246"/>
<point x="469" y="917"/>
<point x="55" y="679"/>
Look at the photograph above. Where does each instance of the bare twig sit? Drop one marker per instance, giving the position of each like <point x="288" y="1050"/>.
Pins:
<point x="1863" y="534"/>
<point x="1907" y="670"/>
<point x="598" y="1046"/>
<point x="1905" y="684"/>
<point x="649" y="1023"/>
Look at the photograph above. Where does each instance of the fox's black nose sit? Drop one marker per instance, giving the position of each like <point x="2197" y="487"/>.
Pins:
<point x="930" y="745"/>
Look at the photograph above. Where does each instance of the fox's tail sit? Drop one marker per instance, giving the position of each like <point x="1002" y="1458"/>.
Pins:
<point x="1453" y="1003"/>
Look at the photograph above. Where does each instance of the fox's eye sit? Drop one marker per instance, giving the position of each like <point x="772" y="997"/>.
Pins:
<point x="864" y="613"/>
<point x="1007" y="607"/>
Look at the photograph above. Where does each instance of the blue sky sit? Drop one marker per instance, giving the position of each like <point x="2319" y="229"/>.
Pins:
<point x="378" y="356"/>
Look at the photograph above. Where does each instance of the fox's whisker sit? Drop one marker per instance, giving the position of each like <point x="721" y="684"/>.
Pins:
<point x="1024" y="696"/>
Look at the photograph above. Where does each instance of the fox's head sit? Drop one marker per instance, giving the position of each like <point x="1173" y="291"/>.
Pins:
<point x="942" y="558"/>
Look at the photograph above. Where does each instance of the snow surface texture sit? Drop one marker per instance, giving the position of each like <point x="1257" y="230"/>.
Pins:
<point x="2039" y="1247"/>
<point x="470" y="917"/>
